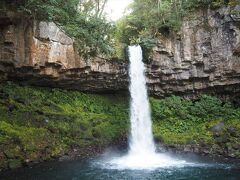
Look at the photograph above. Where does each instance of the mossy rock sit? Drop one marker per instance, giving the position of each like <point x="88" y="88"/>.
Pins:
<point x="15" y="163"/>
<point x="237" y="154"/>
<point x="3" y="161"/>
<point x="3" y="164"/>
<point x="33" y="156"/>
<point x="84" y="125"/>
<point x="158" y="138"/>
<point x="13" y="152"/>
<point x="2" y="76"/>
<point x="96" y="133"/>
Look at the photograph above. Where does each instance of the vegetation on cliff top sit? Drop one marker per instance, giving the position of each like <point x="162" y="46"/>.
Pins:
<point x="37" y="124"/>
<point x="82" y="20"/>
<point x="150" y="18"/>
<point x="85" y="21"/>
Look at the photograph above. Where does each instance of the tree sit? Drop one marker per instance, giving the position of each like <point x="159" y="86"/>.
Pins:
<point x="82" y="20"/>
<point x="93" y="7"/>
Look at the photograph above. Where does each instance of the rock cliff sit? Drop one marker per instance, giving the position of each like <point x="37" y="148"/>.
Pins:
<point x="203" y="57"/>
<point x="40" y="53"/>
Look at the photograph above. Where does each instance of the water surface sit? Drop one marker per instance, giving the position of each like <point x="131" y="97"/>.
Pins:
<point x="199" y="168"/>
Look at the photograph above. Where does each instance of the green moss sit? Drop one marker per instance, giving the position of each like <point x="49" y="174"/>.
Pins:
<point x="3" y="164"/>
<point x="180" y="121"/>
<point x="2" y="76"/>
<point x="14" y="163"/>
<point x="13" y="152"/>
<point x="38" y="123"/>
<point x="195" y="134"/>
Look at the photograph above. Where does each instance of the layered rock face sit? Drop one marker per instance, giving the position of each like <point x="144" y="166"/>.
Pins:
<point x="40" y="53"/>
<point x="203" y="57"/>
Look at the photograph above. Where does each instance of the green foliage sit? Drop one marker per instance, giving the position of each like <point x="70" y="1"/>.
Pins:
<point x="206" y="108"/>
<point x="37" y="124"/>
<point x="92" y="35"/>
<point x="181" y="121"/>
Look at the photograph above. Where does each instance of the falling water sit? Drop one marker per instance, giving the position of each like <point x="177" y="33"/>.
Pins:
<point x="142" y="153"/>
<point x="141" y="140"/>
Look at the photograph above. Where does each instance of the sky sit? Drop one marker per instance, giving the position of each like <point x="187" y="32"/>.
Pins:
<point x="115" y="8"/>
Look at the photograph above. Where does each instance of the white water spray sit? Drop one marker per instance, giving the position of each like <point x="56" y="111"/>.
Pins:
<point x="142" y="153"/>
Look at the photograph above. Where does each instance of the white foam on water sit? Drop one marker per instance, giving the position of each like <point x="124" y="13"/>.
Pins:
<point x="146" y="161"/>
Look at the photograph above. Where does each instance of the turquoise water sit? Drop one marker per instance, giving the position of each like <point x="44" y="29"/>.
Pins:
<point x="199" y="168"/>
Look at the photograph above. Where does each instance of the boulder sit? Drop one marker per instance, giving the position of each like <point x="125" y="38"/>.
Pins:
<point x="218" y="127"/>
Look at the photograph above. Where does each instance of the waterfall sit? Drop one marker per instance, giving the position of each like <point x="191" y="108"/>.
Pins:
<point x="141" y="140"/>
<point x="142" y="153"/>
